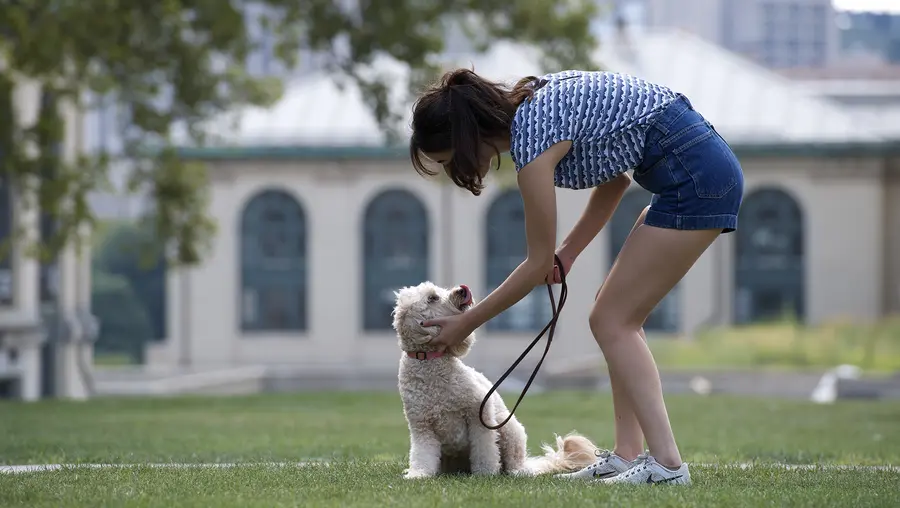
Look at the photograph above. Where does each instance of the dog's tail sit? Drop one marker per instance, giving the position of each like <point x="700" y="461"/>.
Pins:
<point x="572" y="452"/>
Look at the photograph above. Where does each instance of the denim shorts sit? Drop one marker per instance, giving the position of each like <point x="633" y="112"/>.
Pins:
<point x="695" y="177"/>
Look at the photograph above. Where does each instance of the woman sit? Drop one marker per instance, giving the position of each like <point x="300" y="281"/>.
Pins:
<point x="584" y="130"/>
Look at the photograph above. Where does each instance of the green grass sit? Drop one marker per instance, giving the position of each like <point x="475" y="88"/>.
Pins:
<point x="365" y="434"/>
<point x="874" y="347"/>
<point x="112" y="359"/>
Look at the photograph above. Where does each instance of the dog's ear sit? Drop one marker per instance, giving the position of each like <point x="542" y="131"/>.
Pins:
<point x="398" y="295"/>
<point x="399" y="311"/>
<point x="399" y="314"/>
<point x="462" y="349"/>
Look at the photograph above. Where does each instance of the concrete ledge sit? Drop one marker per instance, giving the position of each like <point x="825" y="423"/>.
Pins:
<point x="221" y="381"/>
<point x="874" y="389"/>
<point x="755" y="383"/>
<point x="125" y="381"/>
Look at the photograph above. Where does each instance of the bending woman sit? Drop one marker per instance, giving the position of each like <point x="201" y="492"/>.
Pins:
<point x="585" y="130"/>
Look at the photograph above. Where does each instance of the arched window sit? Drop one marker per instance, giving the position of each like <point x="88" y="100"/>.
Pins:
<point x="506" y="249"/>
<point x="666" y="316"/>
<point x="273" y="263"/>
<point x="769" y="263"/>
<point x="395" y="253"/>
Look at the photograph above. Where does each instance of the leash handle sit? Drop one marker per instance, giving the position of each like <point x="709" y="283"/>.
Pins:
<point x="551" y="327"/>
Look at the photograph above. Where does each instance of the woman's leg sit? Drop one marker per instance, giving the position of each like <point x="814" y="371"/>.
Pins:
<point x="650" y="264"/>
<point x="629" y="436"/>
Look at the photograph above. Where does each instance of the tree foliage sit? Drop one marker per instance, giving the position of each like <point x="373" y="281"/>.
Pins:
<point x="175" y="64"/>
<point x="125" y="326"/>
<point x="130" y="251"/>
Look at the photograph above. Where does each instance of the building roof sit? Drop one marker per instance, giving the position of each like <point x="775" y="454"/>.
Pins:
<point x="870" y="95"/>
<point x="846" y="71"/>
<point x="748" y="104"/>
<point x="884" y="117"/>
<point x="318" y="110"/>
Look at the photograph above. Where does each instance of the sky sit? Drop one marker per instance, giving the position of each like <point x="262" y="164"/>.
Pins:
<point x="867" y="5"/>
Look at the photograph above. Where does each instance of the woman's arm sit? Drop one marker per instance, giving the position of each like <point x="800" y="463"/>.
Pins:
<point x="536" y="183"/>
<point x="599" y="210"/>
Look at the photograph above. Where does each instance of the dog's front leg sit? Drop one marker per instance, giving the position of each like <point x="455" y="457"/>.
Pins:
<point x="513" y="441"/>
<point x="424" y="453"/>
<point x="484" y="450"/>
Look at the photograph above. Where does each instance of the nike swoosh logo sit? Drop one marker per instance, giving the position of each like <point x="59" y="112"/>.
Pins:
<point x="664" y="480"/>
<point x="605" y="475"/>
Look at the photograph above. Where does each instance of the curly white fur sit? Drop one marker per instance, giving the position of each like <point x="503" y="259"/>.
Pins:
<point x="442" y="397"/>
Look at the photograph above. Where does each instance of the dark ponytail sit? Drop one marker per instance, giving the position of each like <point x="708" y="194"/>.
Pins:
<point x="461" y="113"/>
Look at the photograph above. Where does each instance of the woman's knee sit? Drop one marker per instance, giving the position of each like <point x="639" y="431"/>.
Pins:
<point x="608" y="327"/>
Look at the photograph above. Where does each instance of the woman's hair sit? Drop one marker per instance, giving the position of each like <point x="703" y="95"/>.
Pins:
<point x="461" y="112"/>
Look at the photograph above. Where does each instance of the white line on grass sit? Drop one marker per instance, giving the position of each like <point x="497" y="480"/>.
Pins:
<point x="39" y="468"/>
<point x="804" y="467"/>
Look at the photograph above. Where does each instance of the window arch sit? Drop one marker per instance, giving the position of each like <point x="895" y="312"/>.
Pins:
<point x="273" y="263"/>
<point x="666" y="317"/>
<point x="395" y="253"/>
<point x="770" y="257"/>
<point x="507" y="247"/>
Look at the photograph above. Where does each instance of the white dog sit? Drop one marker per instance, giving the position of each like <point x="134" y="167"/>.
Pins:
<point x="442" y="397"/>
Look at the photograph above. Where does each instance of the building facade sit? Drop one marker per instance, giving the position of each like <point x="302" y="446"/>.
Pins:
<point x="310" y="252"/>
<point x="314" y="239"/>
<point x="872" y="35"/>
<point x="774" y="33"/>
<point x="46" y="327"/>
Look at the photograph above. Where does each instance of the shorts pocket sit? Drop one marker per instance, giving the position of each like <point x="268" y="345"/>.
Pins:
<point x="709" y="162"/>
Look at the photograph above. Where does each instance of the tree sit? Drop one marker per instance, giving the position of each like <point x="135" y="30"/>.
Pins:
<point x="130" y="251"/>
<point x="124" y="324"/>
<point x="177" y="63"/>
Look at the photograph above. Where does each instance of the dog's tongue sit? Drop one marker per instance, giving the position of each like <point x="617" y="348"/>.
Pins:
<point x="468" y="298"/>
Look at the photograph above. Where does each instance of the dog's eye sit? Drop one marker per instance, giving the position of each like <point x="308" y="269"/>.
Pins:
<point x="433" y="298"/>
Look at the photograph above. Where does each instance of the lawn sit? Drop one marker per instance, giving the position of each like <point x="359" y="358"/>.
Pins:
<point x="363" y="436"/>
<point x="874" y="347"/>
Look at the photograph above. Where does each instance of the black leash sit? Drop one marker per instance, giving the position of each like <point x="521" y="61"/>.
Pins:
<point x="551" y="327"/>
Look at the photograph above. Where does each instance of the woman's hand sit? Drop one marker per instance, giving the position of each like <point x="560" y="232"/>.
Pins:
<point x="454" y="329"/>
<point x="553" y="276"/>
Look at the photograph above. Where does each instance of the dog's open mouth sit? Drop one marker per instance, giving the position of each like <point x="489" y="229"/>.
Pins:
<point x="463" y="297"/>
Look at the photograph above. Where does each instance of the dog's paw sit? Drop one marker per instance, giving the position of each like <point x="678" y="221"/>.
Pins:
<point x="412" y="474"/>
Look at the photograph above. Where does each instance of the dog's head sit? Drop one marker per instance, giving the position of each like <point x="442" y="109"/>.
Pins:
<point x="416" y="304"/>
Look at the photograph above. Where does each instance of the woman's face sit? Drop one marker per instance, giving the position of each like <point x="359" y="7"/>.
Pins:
<point x="485" y="155"/>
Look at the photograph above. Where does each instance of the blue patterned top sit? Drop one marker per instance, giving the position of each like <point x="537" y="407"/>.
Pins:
<point x="604" y="114"/>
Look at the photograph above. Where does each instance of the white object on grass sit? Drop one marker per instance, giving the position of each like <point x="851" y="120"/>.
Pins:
<point x="700" y="385"/>
<point x="826" y="391"/>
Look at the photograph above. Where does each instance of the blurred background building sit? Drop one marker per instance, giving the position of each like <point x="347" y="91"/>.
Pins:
<point x="316" y="237"/>
<point x="46" y="326"/>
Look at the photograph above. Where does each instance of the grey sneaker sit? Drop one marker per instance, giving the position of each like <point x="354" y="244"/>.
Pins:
<point x="645" y="470"/>
<point x="608" y="465"/>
